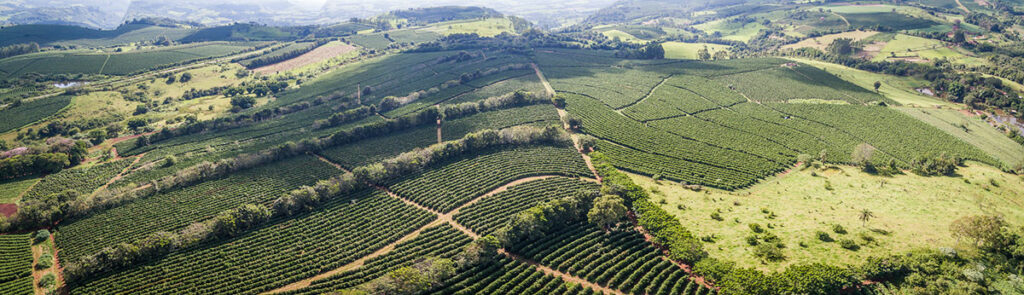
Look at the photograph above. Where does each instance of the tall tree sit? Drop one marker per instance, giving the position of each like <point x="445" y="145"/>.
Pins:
<point x="865" y="216"/>
<point x="608" y="210"/>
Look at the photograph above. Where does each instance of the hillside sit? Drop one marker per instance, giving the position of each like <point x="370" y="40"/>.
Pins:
<point x="644" y="147"/>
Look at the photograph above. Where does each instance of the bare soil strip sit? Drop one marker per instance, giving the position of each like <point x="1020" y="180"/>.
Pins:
<point x="547" y="86"/>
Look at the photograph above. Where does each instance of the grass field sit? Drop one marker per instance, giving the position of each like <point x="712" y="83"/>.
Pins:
<point x="487" y="27"/>
<point x="680" y="50"/>
<point x="916" y="49"/>
<point x="900" y="89"/>
<point x="822" y="42"/>
<point x="622" y="36"/>
<point x="800" y="203"/>
<point x="731" y="30"/>
<point x="971" y="130"/>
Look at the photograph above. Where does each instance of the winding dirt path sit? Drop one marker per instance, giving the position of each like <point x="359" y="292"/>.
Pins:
<point x="355" y="264"/>
<point x="848" y="22"/>
<point x="118" y="176"/>
<point x="962" y="7"/>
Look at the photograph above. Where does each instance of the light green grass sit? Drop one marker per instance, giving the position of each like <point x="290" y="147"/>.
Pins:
<point x="10" y="190"/>
<point x="973" y="131"/>
<point x="623" y="36"/>
<point x="900" y="89"/>
<point x="731" y="30"/>
<point x="486" y="28"/>
<point x="905" y="46"/>
<point x="680" y="50"/>
<point x="915" y="210"/>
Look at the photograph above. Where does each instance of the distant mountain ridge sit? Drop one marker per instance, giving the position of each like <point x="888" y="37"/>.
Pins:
<point x="109" y="14"/>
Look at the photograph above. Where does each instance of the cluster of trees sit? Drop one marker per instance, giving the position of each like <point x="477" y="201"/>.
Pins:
<point x="60" y="153"/>
<point x="930" y="165"/>
<point x="18" y="49"/>
<point x="258" y="89"/>
<point x="514" y="99"/>
<point x="194" y="93"/>
<point x="273" y="59"/>
<point x="652" y="50"/>
<point x="815" y="278"/>
<point x="350" y="115"/>
<point x="538" y="221"/>
<point x="430" y="272"/>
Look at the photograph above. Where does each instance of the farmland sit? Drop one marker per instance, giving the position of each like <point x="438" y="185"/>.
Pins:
<point x="31" y="111"/>
<point x="462" y="150"/>
<point x="115" y="63"/>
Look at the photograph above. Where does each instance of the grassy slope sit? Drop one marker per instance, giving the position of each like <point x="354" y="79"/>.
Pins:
<point x="680" y="50"/>
<point x="803" y="206"/>
<point x="900" y="89"/>
<point x="978" y="133"/>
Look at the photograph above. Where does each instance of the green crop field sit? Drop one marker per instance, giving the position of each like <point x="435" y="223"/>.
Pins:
<point x="31" y="111"/>
<point x="517" y="148"/>
<point x="114" y="63"/>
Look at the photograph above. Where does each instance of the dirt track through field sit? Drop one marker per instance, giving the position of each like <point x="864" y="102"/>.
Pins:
<point x="441" y="218"/>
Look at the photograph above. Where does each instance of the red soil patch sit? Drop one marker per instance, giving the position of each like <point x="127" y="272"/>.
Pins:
<point x="316" y="55"/>
<point x="7" y="210"/>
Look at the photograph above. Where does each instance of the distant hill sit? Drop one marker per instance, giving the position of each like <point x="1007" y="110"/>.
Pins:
<point x="444" y="13"/>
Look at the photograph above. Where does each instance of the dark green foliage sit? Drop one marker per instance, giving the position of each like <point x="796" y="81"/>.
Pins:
<point x="18" y="49"/>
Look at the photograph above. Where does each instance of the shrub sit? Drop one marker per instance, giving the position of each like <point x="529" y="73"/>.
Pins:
<point x="716" y="216"/>
<point x="41" y="235"/>
<point x="48" y="280"/>
<point x="839" y="229"/>
<point x="769" y="252"/>
<point x="45" y="261"/>
<point x="849" y="244"/>
<point x="170" y="161"/>
<point x="823" y="236"/>
<point x="756" y="228"/>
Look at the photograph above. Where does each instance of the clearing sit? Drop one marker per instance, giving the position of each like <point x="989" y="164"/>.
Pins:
<point x="681" y="50"/>
<point x="796" y="205"/>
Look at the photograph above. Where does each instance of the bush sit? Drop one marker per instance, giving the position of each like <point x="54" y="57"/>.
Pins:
<point x="839" y="229"/>
<point x="170" y="161"/>
<point x="717" y="216"/>
<point x="45" y="261"/>
<point x="849" y="244"/>
<point x="41" y="236"/>
<point x="48" y="280"/>
<point x="756" y="228"/>
<point x="823" y="236"/>
<point x="769" y="252"/>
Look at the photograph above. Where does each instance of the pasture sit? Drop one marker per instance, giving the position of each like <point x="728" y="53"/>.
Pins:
<point x="822" y="42"/>
<point x="796" y="205"/>
<point x="681" y="50"/>
<point x="731" y="29"/>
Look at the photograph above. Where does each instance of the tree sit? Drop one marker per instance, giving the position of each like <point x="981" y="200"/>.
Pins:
<point x="841" y="46"/>
<point x="703" y="53"/>
<point x="721" y="54"/>
<point x="607" y="211"/>
<point x="958" y="37"/>
<point x="865" y="216"/>
<point x="243" y="102"/>
<point x="985" y="231"/>
<point x="137" y="122"/>
<point x="185" y="77"/>
<point x="877" y="85"/>
<point x="861" y="156"/>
